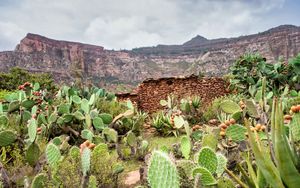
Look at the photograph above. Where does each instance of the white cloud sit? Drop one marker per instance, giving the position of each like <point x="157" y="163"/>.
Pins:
<point x="128" y="24"/>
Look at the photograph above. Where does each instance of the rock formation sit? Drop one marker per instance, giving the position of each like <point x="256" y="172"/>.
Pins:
<point x="68" y="61"/>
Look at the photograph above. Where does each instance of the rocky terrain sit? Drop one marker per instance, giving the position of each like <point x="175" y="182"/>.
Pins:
<point x="70" y="61"/>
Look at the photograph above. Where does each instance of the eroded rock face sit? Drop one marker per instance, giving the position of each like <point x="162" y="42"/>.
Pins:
<point x="70" y="60"/>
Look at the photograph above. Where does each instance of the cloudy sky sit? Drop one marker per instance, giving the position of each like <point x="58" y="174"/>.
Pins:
<point x="126" y="24"/>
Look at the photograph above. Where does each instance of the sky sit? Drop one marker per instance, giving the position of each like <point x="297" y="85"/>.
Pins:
<point x="127" y="24"/>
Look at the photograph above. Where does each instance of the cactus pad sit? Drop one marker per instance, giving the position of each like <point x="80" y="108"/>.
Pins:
<point x="110" y="134"/>
<point x="224" y="182"/>
<point x="208" y="159"/>
<point x="251" y="108"/>
<point x="28" y="104"/>
<point x="52" y="154"/>
<point x="32" y="126"/>
<point x="87" y="134"/>
<point x="222" y="161"/>
<point x="76" y="99"/>
<point x="64" y="108"/>
<point x="131" y="139"/>
<point x="178" y="121"/>
<point x="106" y="118"/>
<point x="230" y="107"/>
<point x="236" y="132"/>
<point x="32" y="154"/>
<point x="74" y="152"/>
<point x="205" y="176"/>
<point x="85" y="106"/>
<point x="162" y="171"/>
<point x="39" y="181"/>
<point x="7" y="137"/>
<point x="185" y="147"/>
<point x="78" y="115"/>
<point x="86" y="160"/>
<point x="98" y="123"/>
<point x="295" y="127"/>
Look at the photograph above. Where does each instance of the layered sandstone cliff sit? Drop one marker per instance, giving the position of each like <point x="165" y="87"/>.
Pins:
<point x="68" y="61"/>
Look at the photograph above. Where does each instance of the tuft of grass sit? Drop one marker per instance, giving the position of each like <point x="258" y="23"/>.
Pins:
<point x="156" y="142"/>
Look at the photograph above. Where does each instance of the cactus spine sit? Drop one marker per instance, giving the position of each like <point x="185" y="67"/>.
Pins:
<point x="162" y="171"/>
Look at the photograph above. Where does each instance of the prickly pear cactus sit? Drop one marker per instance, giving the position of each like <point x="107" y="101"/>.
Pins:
<point x="32" y="126"/>
<point x="208" y="159"/>
<point x="187" y="166"/>
<point x="52" y="154"/>
<point x="7" y="137"/>
<point x="32" y="154"/>
<point x="205" y="176"/>
<point x="74" y="152"/>
<point x="39" y="181"/>
<point x="110" y="134"/>
<point x="210" y="140"/>
<point x="222" y="162"/>
<point x="251" y="108"/>
<point x="106" y="118"/>
<point x="98" y="123"/>
<point x="85" y="106"/>
<point x="236" y="132"/>
<point x="78" y="115"/>
<point x="162" y="171"/>
<point x="92" y="182"/>
<point x="87" y="134"/>
<point x="76" y="99"/>
<point x="178" y="121"/>
<point x="131" y="139"/>
<point x="295" y="127"/>
<point x="86" y="160"/>
<point x="230" y="107"/>
<point x="185" y="147"/>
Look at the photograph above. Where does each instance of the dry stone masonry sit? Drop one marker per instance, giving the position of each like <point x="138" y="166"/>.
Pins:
<point x="151" y="91"/>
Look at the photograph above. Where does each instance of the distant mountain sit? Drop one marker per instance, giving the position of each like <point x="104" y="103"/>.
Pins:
<point x="70" y="60"/>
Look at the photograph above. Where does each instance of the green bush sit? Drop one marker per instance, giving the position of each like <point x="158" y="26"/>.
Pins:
<point x="17" y="76"/>
<point x="3" y="93"/>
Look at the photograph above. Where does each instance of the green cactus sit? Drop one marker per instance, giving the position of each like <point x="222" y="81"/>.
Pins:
<point x="187" y="166"/>
<point x="208" y="159"/>
<point x="67" y="118"/>
<point x="26" y="116"/>
<point x="57" y="141"/>
<point x="39" y="181"/>
<point x="162" y="171"/>
<point x="92" y="99"/>
<point x="295" y="127"/>
<point x="230" y="107"/>
<point x="178" y="122"/>
<point x="92" y="182"/>
<point x="98" y="123"/>
<point x="131" y="139"/>
<point x="185" y="147"/>
<point x="85" y="160"/>
<point x="251" y="108"/>
<point x="118" y="168"/>
<point x="32" y="126"/>
<point x="85" y="107"/>
<point x="236" y="132"/>
<point x="41" y="119"/>
<point x="64" y="108"/>
<point x="32" y="154"/>
<point x="210" y="140"/>
<point x="110" y="134"/>
<point x="76" y="99"/>
<point x="52" y="118"/>
<point x="74" y="152"/>
<point x="205" y="176"/>
<point x="106" y="118"/>
<point x="28" y="104"/>
<point x="222" y="162"/>
<point x="7" y="137"/>
<point x="78" y="115"/>
<point x="87" y="134"/>
<point x="52" y="154"/>
<point x="13" y="106"/>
